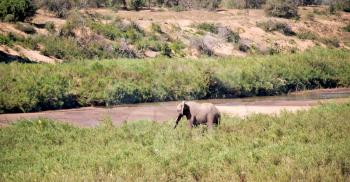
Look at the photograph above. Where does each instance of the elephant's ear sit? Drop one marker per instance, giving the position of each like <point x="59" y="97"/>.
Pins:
<point x="185" y="109"/>
<point x="182" y="107"/>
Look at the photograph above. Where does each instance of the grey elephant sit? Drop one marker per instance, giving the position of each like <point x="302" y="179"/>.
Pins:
<point x="198" y="113"/>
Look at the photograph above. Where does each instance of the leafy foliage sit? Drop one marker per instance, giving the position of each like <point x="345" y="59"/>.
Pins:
<point x="282" y="8"/>
<point x="25" y="27"/>
<point x="209" y="27"/>
<point x="85" y="83"/>
<point x="17" y="9"/>
<point x="271" y="25"/>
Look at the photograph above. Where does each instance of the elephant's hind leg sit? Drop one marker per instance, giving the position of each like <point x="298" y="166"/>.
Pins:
<point x="217" y="119"/>
<point x="210" y="121"/>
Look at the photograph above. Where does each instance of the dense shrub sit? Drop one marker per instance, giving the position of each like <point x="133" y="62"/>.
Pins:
<point x="347" y="28"/>
<point x="113" y="31"/>
<point x="149" y="43"/>
<point x="50" y="27"/>
<point x="25" y="27"/>
<point x="343" y="5"/>
<point x="18" y="9"/>
<point x="135" y="4"/>
<point x="305" y="34"/>
<point x="282" y="8"/>
<point x="100" y="82"/>
<point x="110" y="31"/>
<point x="75" y="20"/>
<point x="200" y="45"/>
<point x="62" y="48"/>
<point x="209" y="27"/>
<point x="59" y="7"/>
<point x="9" y="18"/>
<point x="227" y="34"/>
<point x="177" y="48"/>
<point x="156" y="28"/>
<point x="271" y="25"/>
<point x="240" y="4"/>
<point x="6" y="40"/>
<point x="330" y="41"/>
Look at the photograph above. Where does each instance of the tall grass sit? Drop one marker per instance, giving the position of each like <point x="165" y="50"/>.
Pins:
<point x="304" y="146"/>
<point x="33" y="87"/>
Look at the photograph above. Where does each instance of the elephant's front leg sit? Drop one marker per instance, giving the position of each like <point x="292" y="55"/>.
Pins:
<point x="190" y="122"/>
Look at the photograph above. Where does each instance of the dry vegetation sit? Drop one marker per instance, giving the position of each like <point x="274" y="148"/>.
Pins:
<point x="92" y="33"/>
<point x="309" y="145"/>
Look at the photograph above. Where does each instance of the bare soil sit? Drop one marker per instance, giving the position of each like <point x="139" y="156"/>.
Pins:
<point x="180" y="26"/>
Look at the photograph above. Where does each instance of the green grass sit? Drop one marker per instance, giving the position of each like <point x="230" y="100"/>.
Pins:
<point x="305" y="146"/>
<point x="35" y="87"/>
<point x="209" y="27"/>
<point x="347" y="28"/>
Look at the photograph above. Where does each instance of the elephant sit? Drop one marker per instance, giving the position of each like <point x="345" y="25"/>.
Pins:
<point x="198" y="113"/>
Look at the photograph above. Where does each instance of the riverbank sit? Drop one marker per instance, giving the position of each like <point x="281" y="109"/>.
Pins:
<point x="306" y="145"/>
<point x="38" y="87"/>
<point x="166" y="111"/>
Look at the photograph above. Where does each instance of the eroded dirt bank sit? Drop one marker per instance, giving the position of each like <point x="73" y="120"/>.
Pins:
<point x="164" y="111"/>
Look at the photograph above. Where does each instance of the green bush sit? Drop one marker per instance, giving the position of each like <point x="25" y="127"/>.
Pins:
<point x="25" y="27"/>
<point x="228" y="35"/>
<point x="50" y="27"/>
<point x="156" y="28"/>
<point x="177" y="48"/>
<point x="6" y="40"/>
<point x="304" y="34"/>
<point x="61" y="48"/>
<point x="59" y="7"/>
<point x="75" y="20"/>
<point x="100" y="82"/>
<point x="178" y="8"/>
<point x="330" y="41"/>
<point x="9" y="18"/>
<point x="347" y="28"/>
<point x="149" y="43"/>
<point x="19" y="9"/>
<point x="270" y="26"/>
<point x="282" y="8"/>
<point x="135" y="4"/>
<point x="209" y="27"/>
<point x="256" y="148"/>
<point x="110" y="31"/>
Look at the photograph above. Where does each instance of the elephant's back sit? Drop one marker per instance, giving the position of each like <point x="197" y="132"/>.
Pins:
<point x="211" y="107"/>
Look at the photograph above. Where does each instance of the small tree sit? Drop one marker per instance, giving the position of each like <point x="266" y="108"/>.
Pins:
<point x="59" y="7"/>
<point x="282" y="8"/>
<point x="135" y="4"/>
<point x="19" y="9"/>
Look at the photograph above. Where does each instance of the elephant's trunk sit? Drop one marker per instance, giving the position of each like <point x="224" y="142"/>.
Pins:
<point x="177" y="120"/>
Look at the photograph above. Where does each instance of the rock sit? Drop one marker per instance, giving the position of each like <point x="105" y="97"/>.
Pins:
<point x="151" y="54"/>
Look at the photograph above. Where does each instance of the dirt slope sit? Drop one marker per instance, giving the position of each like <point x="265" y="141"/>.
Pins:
<point x="181" y="26"/>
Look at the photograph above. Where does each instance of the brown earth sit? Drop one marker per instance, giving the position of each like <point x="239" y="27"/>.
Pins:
<point x="180" y="26"/>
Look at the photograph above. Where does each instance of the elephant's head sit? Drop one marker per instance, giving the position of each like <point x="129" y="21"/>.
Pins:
<point x="183" y="110"/>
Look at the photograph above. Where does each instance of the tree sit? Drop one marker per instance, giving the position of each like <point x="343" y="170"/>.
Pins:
<point x="19" y="9"/>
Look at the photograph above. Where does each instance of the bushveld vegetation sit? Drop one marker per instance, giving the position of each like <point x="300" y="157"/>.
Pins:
<point x="16" y="10"/>
<point x="34" y="87"/>
<point x="308" y="145"/>
<point x="84" y="37"/>
<point x="271" y="26"/>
